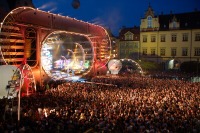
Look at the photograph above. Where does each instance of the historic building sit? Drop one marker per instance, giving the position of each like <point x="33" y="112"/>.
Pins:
<point x="170" y="39"/>
<point x="128" y="45"/>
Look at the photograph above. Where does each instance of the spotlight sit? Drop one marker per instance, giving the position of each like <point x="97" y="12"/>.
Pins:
<point x="75" y="4"/>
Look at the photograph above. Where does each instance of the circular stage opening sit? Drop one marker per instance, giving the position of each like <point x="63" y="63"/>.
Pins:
<point x="130" y="66"/>
<point x="66" y="56"/>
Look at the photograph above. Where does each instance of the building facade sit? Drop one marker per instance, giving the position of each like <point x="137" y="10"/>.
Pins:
<point x="129" y="42"/>
<point x="170" y="39"/>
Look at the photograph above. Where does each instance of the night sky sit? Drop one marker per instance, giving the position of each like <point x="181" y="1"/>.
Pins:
<point x="114" y="14"/>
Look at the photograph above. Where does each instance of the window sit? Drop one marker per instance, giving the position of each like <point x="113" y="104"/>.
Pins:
<point x="136" y="45"/>
<point x="197" y="37"/>
<point x="122" y="51"/>
<point x="144" y="51"/>
<point x="130" y="51"/>
<point x="144" y="38"/>
<point x="153" y="38"/>
<point x="129" y="36"/>
<point x="174" y="24"/>
<point x="131" y="46"/>
<point x="186" y="24"/>
<point x="173" y="51"/>
<point x="125" y="51"/>
<point x="197" y="52"/>
<point x="162" y="52"/>
<point x="153" y="51"/>
<point x="185" y="37"/>
<point x="149" y="22"/>
<point x="122" y="46"/>
<point x="162" y="38"/>
<point x="173" y="37"/>
<point x="184" y="51"/>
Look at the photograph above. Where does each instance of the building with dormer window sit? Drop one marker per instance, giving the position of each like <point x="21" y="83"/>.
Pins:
<point x="129" y="43"/>
<point x="170" y="39"/>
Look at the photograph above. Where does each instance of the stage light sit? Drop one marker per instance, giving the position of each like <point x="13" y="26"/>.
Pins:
<point x="75" y="4"/>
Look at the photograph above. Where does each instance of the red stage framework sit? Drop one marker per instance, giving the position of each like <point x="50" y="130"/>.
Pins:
<point x="26" y="31"/>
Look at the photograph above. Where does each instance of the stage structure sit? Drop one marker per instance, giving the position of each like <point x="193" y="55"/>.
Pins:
<point x="131" y="66"/>
<point x="120" y="66"/>
<point x="55" y="46"/>
<point x="114" y="66"/>
<point x="14" y="78"/>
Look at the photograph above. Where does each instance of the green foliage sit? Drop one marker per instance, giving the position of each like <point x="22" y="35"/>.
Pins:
<point x="148" y="65"/>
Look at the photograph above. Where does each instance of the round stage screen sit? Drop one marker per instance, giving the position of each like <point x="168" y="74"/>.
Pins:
<point x="66" y="56"/>
<point x="114" y="66"/>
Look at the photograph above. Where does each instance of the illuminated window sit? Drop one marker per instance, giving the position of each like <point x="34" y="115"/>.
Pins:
<point x="144" y="38"/>
<point x="162" y="52"/>
<point x="197" y="37"/>
<point x="144" y="51"/>
<point x="162" y="38"/>
<point x="149" y="22"/>
<point x="173" y="51"/>
<point x="197" y="52"/>
<point x="173" y="39"/>
<point x="185" y="37"/>
<point x="153" y="38"/>
<point x="184" y="51"/>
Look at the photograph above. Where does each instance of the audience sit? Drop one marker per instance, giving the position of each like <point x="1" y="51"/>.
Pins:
<point x="116" y="104"/>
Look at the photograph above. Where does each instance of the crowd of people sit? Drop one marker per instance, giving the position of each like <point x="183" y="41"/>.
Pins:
<point x="108" y="104"/>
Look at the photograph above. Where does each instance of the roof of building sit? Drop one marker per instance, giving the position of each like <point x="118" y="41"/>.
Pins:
<point x="190" y="20"/>
<point x="135" y="30"/>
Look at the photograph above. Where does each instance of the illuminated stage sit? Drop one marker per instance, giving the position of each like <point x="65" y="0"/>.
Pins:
<point x="54" y="46"/>
<point x="66" y="56"/>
